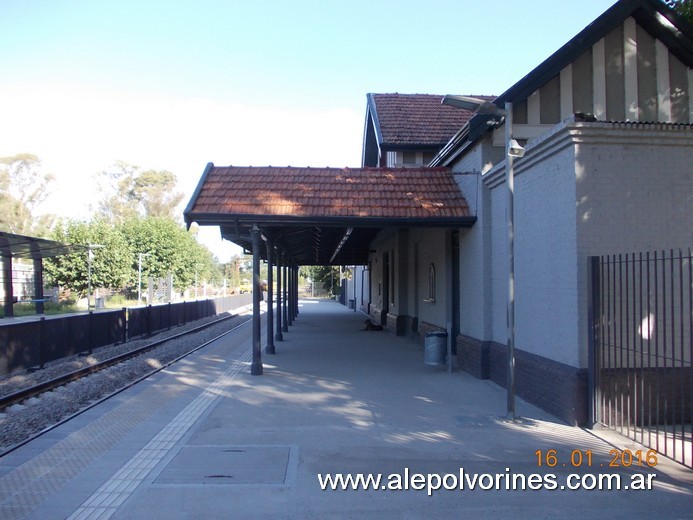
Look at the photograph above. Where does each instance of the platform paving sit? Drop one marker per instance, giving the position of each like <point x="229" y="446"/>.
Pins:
<point x="205" y="439"/>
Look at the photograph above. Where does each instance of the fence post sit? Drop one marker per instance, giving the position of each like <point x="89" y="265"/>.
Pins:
<point x="149" y="320"/>
<point x="125" y="324"/>
<point x="169" y="315"/>
<point x="41" y="346"/>
<point x="89" y="339"/>
<point x="593" y="317"/>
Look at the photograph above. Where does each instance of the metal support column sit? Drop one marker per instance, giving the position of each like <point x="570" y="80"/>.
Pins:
<point x="279" y="336"/>
<point x="296" y="291"/>
<point x="285" y="308"/>
<point x="256" y="365"/>
<point x="7" y="286"/>
<point x="290" y="295"/>
<point x="38" y="285"/>
<point x="269" y="348"/>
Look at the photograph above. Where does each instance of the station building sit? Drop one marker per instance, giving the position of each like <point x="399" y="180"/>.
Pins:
<point x="606" y="123"/>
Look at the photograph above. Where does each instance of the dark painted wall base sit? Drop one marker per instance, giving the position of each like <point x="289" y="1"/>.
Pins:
<point x="554" y="387"/>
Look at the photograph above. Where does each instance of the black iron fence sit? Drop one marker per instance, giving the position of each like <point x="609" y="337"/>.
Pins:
<point x="641" y="348"/>
<point x="154" y="318"/>
<point x="31" y="344"/>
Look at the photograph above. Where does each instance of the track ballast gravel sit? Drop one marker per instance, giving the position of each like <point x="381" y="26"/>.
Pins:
<point x="19" y="422"/>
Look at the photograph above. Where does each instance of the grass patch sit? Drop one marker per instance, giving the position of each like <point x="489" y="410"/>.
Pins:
<point x="49" y="308"/>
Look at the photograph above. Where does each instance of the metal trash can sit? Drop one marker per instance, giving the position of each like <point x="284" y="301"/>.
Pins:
<point x="352" y="304"/>
<point x="435" y="348"/>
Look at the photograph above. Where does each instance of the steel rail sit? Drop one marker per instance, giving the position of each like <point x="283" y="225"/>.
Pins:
<point x="33" y="391"/>
<point x="126" y="386"/>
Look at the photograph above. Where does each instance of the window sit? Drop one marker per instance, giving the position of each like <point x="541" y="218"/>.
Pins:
<point x="409" y="157"/>
<point x="431" y="284"/>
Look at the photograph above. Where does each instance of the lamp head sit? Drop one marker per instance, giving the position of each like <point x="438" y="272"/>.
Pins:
<point x="476" y="105"/>
<point x="514" y="149"/>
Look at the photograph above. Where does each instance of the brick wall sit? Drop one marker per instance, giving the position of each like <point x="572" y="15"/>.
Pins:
<point x="425" y="328"/>
<point x="554" y="387"/>
<point x="473" y="356"/>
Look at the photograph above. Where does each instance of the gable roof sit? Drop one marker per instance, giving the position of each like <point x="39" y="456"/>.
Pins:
<point x="310" y="209"/>
<point x="660" y="20"/>
<point x="655" y="16"/>
<point x="414" y="120"/>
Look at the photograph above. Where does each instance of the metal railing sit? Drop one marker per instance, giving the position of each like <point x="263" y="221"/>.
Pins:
<point x="641" y="348"/>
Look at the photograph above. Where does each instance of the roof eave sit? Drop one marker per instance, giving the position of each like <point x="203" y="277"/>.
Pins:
<point x="646" y="12"/>
<point x="196" y="193"/>
<point x="223" y="219"/>
<point x="674" y="29"/>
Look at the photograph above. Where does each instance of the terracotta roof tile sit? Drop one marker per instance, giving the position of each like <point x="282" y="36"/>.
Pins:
<point x="339" y="192"/>
<point x="418" y="119"/>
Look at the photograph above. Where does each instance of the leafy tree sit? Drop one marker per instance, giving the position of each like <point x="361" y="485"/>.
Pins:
<point x="685" y="9"/>
<point x="169" y="249"/>
<point x="110" y="264"/>
<point x="23" y="187"/>
<point x="233" y="269"/>
<point x="326" y="275"/>
<point x="130" y="192"/>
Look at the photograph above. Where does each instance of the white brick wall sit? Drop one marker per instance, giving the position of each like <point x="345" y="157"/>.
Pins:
<point x="545" y="258"/>
<point x="476" y="302"/>
<point x="583" y="189"/>
<point x="634" y="193"/>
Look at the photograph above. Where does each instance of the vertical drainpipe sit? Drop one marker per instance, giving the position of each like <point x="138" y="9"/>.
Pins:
<point x="256" y="365"/>
<point x="278" y="336"/>
<point x="269" y="348"/>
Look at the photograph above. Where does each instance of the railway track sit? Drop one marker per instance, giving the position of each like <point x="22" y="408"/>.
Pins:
<point x="35" y="392"/>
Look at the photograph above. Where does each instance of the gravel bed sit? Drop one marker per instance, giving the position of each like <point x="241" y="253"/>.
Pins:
<point x="21" y="421"/>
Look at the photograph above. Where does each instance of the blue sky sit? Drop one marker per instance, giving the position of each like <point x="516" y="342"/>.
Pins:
<point x="174" y="85"/>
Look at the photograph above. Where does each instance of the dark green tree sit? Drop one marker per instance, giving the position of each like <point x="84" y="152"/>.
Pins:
<point x="110" y="261"/>
<point x="683" y="7"/>
<point x="325" y="275"/>
<point x="169" y="249"/>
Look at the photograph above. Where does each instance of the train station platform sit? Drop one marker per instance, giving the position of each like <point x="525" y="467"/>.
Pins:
<point x="205" y="439"/>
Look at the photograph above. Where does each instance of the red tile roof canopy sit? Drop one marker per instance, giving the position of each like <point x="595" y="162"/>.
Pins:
<point x="319" y="204"/>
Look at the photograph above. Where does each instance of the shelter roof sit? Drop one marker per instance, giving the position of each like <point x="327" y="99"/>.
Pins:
<point x="20" y="246"/>
<point x="310" y="210"/>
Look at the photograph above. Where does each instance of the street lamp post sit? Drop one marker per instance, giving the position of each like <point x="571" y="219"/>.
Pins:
<point x="512" y="150"/>
<point x="139" y="276"/>
<point x="90" y="257"/>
